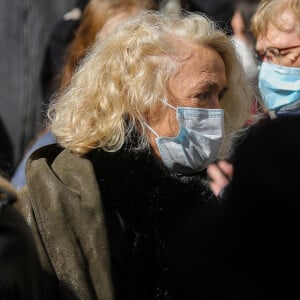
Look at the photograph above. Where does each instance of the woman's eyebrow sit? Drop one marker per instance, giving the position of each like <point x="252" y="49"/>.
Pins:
<point x="212" y="85"/>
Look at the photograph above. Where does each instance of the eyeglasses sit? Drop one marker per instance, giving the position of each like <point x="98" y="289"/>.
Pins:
<point x="274" y="55"/>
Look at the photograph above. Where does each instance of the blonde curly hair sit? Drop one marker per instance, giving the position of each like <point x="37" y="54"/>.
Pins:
<point x="127" y="73"/>
<point x="96" y="14"/>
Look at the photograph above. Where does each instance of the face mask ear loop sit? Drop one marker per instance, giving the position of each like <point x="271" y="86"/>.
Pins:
<point x="152" y="130"/>
<point x="168" y="104"/>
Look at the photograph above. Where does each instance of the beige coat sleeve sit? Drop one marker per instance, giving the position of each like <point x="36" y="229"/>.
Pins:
<point x="48" y="281"/>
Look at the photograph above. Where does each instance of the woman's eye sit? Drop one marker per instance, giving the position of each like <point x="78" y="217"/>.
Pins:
<point x="203" y="96"/>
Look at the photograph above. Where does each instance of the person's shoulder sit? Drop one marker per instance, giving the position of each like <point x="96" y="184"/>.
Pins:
<point x="54" y="167"/>
<point x="53" y="159"/>
<point x="49" y="151"/>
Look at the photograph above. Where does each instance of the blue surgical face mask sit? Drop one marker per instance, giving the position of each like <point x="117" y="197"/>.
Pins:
<point x="279" y="85"/>
<point x="201" y="133"/>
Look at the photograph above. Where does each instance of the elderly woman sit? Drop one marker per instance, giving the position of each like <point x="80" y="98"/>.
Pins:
<point x="150" y="106"/>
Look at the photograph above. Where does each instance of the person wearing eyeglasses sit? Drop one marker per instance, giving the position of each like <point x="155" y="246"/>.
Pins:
<point x="276" y="26"/>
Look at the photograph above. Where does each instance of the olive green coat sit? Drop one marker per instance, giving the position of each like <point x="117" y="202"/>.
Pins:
<point x="62" y="205"/>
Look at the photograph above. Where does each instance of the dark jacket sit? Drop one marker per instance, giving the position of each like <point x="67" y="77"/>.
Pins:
<point x="250" y="244"/>
<point x="19" y="266"/>
<point x="56" y="49"/>
<point x="102" y="222"/>
<point x="7" y="151"/>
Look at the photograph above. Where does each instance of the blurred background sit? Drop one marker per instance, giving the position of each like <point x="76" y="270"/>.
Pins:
<point x="25" y="26"/>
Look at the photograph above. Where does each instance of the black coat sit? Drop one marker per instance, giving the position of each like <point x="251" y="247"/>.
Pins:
<point x="55" y="53"/>
<point x="6" y="151"/>
<point x="144" y="204"/>
<point x="19" y="266"/>
<point x="248" y="247"/>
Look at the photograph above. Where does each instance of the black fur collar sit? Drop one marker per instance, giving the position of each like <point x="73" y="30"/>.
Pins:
<point x="143" y="202"/>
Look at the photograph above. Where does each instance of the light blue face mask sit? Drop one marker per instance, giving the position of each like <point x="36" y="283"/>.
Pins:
<point x="201" y="133"/>
<point x="279" y="85"/>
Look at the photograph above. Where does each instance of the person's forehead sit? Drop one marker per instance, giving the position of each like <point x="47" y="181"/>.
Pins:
<point x="202" y="66"/>
<point x="278" y="37"/>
